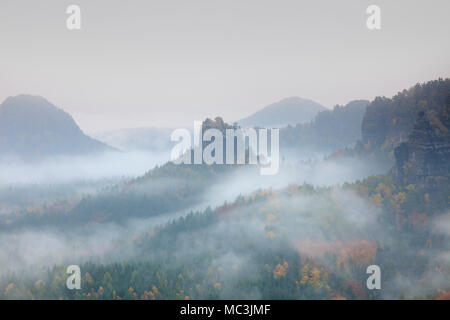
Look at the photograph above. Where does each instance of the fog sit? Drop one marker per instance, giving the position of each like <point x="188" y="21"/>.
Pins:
<point x="319" y="173"/>
<point x="33" y="248"/>
<point x="49" y="246"/>
<point x="67" y="169"/>
<point x="314" y="225"/>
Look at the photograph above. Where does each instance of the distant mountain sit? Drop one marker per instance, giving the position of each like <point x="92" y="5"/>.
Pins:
<point x="291" y="111"/>
<point x="330" y="130"/>
<point x="32" y="128"/>
<point x="148" y="139"/>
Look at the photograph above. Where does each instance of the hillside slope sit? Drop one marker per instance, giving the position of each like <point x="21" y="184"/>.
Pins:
<point x="291" y="111"/>
<point x="330" y="130"/>
<point x="31" y="128"/>
<point x="389" y="122"/>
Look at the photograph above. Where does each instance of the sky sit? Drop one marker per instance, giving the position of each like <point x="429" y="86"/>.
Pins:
<point x="166" y="63"/>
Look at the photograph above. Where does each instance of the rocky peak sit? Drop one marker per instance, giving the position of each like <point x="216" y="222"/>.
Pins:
<point x="424" y="158"/>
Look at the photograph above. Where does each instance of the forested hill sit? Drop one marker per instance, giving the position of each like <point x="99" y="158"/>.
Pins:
<point x="388" y="122"/>
<point x="330" y="130"/>
<point x="32" y="128"/>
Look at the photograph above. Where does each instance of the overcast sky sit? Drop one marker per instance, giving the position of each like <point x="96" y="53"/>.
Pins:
<point x="167" y="63"/>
